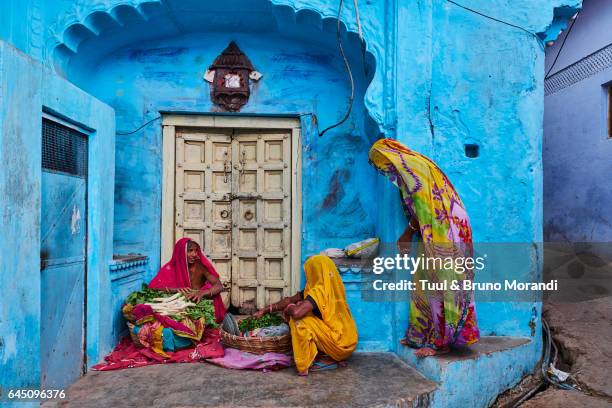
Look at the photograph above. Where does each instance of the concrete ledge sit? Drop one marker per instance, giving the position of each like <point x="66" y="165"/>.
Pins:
<point x="473" y="377"/>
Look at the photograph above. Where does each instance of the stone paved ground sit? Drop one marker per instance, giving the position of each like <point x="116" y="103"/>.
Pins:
<point x="369" y="380"/>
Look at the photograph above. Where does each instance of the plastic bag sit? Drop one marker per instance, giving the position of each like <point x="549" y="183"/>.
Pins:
<point x="368" y="248"/>
<point x="334" y="252"/>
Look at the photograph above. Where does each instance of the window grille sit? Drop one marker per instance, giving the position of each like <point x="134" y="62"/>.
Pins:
<point x="64" y="149"/>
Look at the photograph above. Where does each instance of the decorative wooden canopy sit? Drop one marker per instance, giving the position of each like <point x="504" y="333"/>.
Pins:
<point x="230" y="75"/>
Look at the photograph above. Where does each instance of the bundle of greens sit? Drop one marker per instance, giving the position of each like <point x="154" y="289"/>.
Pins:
<point x="145" y="295"/>
<point x="205" y="309"/>
<point x="176" y="306"/>
<point x="252" y="323"/>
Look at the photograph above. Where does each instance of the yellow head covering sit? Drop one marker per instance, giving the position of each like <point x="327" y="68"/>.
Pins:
<point x="325" y="287"/>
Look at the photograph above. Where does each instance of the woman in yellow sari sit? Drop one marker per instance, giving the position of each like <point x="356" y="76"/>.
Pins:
<point x="319" y="318"/>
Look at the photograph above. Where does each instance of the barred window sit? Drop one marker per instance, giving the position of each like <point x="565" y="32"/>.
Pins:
<point x="64" y="149"/>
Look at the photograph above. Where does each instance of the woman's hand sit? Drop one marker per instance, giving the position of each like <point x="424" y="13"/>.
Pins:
<point x="404" y="242"/>
<point x="196" y="296"/>
<point x="261" y="312"/>
<point x="298" y="310"/>
<point x="280" y="305"/>
<point x="288" y="311"/>
<point x="185" y="291"/>
<point x="193" y="295"/>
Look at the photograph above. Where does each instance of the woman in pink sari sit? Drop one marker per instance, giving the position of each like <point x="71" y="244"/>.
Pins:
<point x="192" y="274"/>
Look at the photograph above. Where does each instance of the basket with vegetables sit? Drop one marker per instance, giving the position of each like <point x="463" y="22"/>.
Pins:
<point x="256" y="344"/>
<point x="252" y="323"/>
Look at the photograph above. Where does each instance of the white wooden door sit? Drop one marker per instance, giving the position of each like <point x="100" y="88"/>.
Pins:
<point x="261" y="216"/>
<point x="203" y="195"/>
<point x="233" y="197"/>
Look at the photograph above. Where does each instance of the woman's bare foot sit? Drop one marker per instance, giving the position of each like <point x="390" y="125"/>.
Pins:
<point x="324" y="362"/>
<point x="428" y="352"/>
<point x="325" y="359"/>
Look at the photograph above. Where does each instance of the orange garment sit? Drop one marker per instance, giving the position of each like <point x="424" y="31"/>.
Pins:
<point x="335" y="334"/>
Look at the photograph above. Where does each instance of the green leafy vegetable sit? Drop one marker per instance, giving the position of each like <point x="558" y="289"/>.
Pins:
<point x="205" y="308"/>
<point x="252" y="323"/>
<point x="145" y="295"/>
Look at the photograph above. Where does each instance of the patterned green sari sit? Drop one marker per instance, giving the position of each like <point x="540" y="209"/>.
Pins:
<point x="438" y="317"/>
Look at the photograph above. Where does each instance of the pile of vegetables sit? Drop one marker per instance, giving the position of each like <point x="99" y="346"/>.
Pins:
<point x="145" y="295"/>
<point x="173" y="305"/>
<point x="176" y="306"/>
<point x="252" y="323"/>
<point x="205" y="309"/>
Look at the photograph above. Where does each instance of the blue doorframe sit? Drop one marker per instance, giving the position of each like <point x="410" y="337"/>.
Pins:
<point x="61" y="99"/>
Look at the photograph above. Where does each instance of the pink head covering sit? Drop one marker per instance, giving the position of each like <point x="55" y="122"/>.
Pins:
<point x="175" y="274"/>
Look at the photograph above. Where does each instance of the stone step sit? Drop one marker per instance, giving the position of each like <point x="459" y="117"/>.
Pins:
<point x="474" y="376"/>
<point x="369" y="380"/>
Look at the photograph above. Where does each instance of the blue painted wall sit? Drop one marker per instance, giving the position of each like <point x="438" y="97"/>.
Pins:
<point x="26" y="89"/>
<point x="577" y="148"/>
<point x="143" y="79"/>
<point x="126" y="277"/>
<point x="434" y="76"/>
<point x="20" y="211"/>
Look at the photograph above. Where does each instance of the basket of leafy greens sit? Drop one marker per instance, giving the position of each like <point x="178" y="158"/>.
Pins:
<point x="256" y="344"/>
<point x="252" y="323"/>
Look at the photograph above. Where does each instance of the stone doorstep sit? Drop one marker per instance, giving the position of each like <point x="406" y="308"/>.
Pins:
<point x="493" y="365"/>
<point x="369" y="380"/>
<point x="433" y="367"/>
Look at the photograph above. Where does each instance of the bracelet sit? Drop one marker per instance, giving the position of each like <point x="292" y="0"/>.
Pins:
<point x="270" y="308"/>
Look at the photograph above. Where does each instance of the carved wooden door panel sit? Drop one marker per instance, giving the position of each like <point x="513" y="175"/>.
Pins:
<point x="203" y="195"/>
<point x="261" y="264"/>
<point x="233" y="197"/>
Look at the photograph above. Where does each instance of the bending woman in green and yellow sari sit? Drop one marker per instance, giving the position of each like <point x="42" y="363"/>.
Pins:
<point x="438" y="318"/>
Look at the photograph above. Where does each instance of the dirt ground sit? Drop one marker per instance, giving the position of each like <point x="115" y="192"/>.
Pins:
<point x="554" y="398"/>
<point x="583" y="333"/>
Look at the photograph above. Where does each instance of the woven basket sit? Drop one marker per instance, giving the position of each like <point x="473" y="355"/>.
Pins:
<point x="257" y="345"/>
